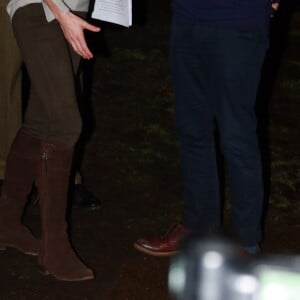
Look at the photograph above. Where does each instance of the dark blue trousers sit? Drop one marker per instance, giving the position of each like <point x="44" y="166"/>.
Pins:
<point x="215" y="73"/>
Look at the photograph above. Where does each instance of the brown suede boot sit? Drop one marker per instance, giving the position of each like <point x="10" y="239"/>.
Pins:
<point x="20" y="172"/>
<point x="56" y="255"/>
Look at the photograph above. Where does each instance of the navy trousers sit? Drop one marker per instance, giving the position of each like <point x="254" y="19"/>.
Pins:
<point x="215" y="74"/>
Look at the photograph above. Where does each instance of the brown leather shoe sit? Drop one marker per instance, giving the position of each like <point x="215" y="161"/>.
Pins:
<point x="165" y="245"/>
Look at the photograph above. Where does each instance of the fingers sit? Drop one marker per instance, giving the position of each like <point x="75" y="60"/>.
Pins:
<point x="91" y="27"/>
<point x="84" y="51"/>
<point x="79" y="44"/>
<point x="81" y="48"/>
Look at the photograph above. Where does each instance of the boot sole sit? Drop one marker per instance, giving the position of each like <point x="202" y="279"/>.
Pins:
<point x="45" y="272"/>
<point x="154" y="253"/>
<point x="3" y="248"/>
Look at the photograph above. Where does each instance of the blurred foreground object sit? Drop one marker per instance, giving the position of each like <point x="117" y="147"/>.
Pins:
<point x="213" y="269"/>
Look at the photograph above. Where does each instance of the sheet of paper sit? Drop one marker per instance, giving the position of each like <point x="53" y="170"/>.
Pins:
<point x="114" y="11"/>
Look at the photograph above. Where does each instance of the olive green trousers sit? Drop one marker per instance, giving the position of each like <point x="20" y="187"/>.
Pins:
<point x="52" y="112"/>
<point x="10" y="86"/>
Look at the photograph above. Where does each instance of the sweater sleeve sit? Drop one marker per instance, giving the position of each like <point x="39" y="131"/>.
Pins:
<point x="61" y="5"/>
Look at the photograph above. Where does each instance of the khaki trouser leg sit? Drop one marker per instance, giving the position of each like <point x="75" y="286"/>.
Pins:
<point x="10" y="86"/>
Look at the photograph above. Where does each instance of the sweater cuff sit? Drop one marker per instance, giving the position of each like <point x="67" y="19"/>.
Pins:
<point x="61" y="5"/>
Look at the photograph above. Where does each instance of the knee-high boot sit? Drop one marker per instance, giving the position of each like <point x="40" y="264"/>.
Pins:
<point x="56" y="256"/>
<point x="20" y="173"/>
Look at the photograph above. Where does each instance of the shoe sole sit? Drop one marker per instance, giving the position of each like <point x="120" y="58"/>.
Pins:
<point x="45" y="272"/>
<point x="3" y="248"/>
<point x="154" y="253"/>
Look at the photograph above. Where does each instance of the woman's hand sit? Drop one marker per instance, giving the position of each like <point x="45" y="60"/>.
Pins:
<point x="73" y="28"/>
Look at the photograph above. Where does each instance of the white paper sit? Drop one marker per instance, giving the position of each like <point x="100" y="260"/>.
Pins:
<point x="114" y="11"/>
